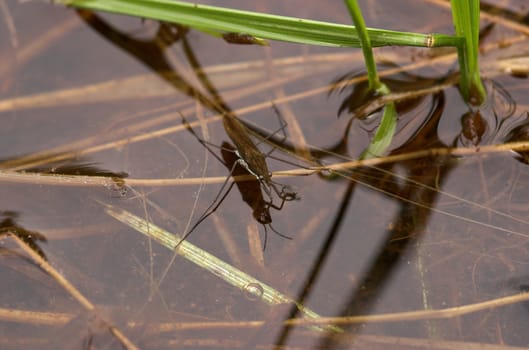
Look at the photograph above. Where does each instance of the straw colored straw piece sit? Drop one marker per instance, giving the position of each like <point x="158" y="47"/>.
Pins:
<point x="214" y="265"/>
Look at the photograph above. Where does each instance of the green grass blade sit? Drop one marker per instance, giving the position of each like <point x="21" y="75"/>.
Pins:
<point x="265" y="26"/>
<point x="385" y="131"/>
<point x="384" y="134"/>
<point x="465" y="15"/>
<point x="358" y="20"/>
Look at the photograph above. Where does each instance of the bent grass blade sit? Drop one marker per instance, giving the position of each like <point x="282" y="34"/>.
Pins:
<point x="212" y="264"/>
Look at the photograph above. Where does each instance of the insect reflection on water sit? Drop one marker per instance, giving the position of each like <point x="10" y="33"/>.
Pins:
<point x="246" y="159"/>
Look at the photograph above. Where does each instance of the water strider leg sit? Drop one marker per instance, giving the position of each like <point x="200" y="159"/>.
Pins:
<point x="252" y="193"/>
<point x="219" y="198"/>
<point x="203" y="142"/>
<point x="283" y="194"/>
<point x="283" y="124"/>
<point x="268" y="183"/>
<point x="210" y="210"/>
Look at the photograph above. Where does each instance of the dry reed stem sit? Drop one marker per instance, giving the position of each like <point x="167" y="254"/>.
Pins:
<point x="232" y="249"/>
<point x="77" y="180"/>
<point x="39" y="44"/>
<point x="293" y="126"/>
<point x="45" y="318"/>
<point x="59" y="318"/>
<point x="255" y="244"/>
<point x="134" y="87"/>
<point x="35" y="317"/>
<point x="408" y="316"/>
<point x="10" y="24"/>
<point x="451" y="312"/>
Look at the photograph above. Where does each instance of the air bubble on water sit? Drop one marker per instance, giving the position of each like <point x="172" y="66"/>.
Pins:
<point x="253" y="291"/>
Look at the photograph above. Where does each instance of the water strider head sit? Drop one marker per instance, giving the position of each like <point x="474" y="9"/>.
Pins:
<point x="261" y="213"/>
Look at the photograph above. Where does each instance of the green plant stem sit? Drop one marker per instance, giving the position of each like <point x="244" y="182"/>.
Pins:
<point x="358" y="20"/>
<point x="385" y="131"/>
<point x="465" y="15"/>
<point x="384" y="134"/>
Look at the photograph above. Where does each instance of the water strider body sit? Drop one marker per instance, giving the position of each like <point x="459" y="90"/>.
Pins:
<point x="245" y="159"/>
<point x="251" y="191"/>
<point x="251" y="157"/>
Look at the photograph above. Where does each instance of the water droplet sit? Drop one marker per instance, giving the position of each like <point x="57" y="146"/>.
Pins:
<point x="253" y="291"/>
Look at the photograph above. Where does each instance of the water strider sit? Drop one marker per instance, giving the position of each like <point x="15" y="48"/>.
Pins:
<point x="251" y="191"/>
<point x="243" y="159"/>
<point x="251" y="157"/>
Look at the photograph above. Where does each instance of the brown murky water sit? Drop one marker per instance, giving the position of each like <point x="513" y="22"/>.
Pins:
<point x="92" y="110"/>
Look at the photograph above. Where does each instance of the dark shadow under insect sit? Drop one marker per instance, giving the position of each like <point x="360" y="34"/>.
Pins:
<point x="251" y="190"/>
